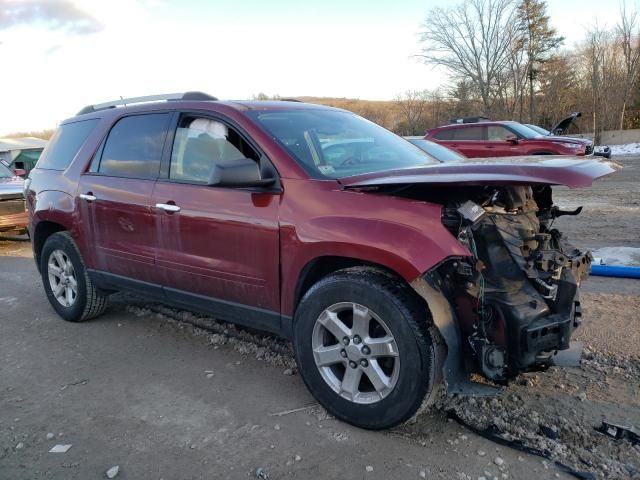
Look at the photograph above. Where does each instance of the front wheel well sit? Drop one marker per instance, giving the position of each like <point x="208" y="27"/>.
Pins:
<point x="44" y="230"/>
<point x="320" y="267"/>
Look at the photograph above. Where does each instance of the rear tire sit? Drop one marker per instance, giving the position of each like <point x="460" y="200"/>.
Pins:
<point x="377" y="375"/>
<point x="66" y="281"/>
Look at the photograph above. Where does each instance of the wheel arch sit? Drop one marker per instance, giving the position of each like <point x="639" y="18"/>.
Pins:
<point x="44" y="229"/>
<point x="319" y="267"/>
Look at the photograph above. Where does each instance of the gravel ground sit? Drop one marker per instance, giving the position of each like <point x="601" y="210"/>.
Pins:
<point x="145" y="389"/>
<point x="611" y="215"/>
<point x="570" y="401"/>
<point x="132" y="388"/>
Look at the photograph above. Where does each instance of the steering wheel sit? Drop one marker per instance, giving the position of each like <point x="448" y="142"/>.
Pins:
<point x="349" y="161"/>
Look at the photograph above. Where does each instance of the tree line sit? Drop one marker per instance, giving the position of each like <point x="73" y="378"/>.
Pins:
<point x="505" y="61"/>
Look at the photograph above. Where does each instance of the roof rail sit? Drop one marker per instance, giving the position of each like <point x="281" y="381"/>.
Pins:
<point x="194" y="96"/>
<point x="470" y="119"/>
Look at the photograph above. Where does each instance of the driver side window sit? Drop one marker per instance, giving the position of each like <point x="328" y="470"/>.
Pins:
<point x="200" y="144"/>
<point x="496" y="133"/>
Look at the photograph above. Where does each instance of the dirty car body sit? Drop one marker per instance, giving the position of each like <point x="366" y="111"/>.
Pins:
<point x="321" y="227"/>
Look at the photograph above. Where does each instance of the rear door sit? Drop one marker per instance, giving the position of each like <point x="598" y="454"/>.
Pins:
<point x="218" y="246"/>
<point x="468" y="140"/>
<point x="115" y="198"/>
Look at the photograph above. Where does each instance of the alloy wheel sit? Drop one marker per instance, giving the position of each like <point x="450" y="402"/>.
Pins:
<point x="355" y="352"/>
<point x="62" y="278"/>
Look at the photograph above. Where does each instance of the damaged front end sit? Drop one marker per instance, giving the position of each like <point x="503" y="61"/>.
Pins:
<point x="516" y="299"/>
<point x="513" y="303"/>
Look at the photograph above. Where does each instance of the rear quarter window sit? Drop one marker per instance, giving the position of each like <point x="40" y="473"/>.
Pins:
<point x="65" y="144"/>
<point x="444" y="134"/>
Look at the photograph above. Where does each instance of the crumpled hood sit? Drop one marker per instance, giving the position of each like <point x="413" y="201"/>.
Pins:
<point x="574" y="172"/>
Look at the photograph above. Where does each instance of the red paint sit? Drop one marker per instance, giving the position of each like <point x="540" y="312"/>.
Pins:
<point x="223" y="243"/>
<point x="251" y="247"/>
<point x="484" y="148"/>
<point x="574" y="172"/>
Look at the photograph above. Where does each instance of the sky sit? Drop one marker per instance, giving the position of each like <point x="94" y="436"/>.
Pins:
<point x="57" y="56"/>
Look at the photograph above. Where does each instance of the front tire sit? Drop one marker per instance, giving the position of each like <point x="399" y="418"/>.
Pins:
<point x="363" y="348"/>
<point x="66" y="281"/>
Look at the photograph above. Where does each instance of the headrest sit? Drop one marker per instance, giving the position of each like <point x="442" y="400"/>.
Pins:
<point x="210" y="127"/>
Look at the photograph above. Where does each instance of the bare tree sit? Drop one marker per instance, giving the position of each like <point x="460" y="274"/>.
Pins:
<point x="412" y="108"/>
<point x="464" y="99"/>
<point x="559" y="81"/>
<point x="600" y="69"/>
<point x="514" y="79"/>
<point x="438" y="110"/>
<point x="629" y="40"/>
<point x="471" y="41"/>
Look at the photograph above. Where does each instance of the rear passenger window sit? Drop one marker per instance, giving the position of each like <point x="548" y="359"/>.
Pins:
<point x="65" y="144"/>
<point x="469" y="133"/>
<point x="133" y="148"/>
<point x="200" y="144"/>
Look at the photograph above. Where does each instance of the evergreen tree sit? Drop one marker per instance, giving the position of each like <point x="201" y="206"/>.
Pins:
<point x="538" y="39"/>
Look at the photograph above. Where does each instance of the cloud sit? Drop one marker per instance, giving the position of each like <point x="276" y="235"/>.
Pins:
<point x="55" y="14"/>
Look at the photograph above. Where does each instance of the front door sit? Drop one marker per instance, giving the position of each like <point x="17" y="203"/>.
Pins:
<point x="497" y="144"/>
<point x="218" y="246"/>
<point x="115" y="198"/>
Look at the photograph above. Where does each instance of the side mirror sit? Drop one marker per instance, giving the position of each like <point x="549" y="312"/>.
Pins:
<point x="512" y="139"/>
<point x="19" y="172"/>
<point x="243" y="172"/>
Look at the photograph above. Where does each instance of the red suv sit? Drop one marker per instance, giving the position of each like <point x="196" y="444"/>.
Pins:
<point x="317" y="225"/>
<point x="505" y="139"/>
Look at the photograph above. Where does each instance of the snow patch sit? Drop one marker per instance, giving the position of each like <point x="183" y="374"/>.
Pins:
<point x="626" y="149"/>
<point x="625" y="256"/>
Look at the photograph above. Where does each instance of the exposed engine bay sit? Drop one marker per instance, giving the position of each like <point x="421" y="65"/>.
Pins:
<point x="516" y="298"/>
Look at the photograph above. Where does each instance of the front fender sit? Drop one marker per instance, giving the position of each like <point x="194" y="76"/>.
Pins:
<point x="402" y="235"/>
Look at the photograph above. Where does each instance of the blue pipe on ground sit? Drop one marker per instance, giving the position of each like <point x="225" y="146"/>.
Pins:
<point x="615" y="271"/>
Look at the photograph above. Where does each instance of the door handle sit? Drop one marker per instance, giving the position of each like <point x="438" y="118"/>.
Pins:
<point x="88" y="197"/>
<point x="167" y="207"/>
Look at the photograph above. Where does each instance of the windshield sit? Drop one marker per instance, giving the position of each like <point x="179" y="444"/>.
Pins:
<point x="538" y="129"/>
<point x="5" y="172"/>
<point x="523" y="131"/>
<point x="334" y="144"/>
<point x="442" y="154"/>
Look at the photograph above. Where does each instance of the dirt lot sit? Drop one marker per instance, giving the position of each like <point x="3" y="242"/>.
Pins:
<point x="166" y="394"/>
<point x="611" y="215"/>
